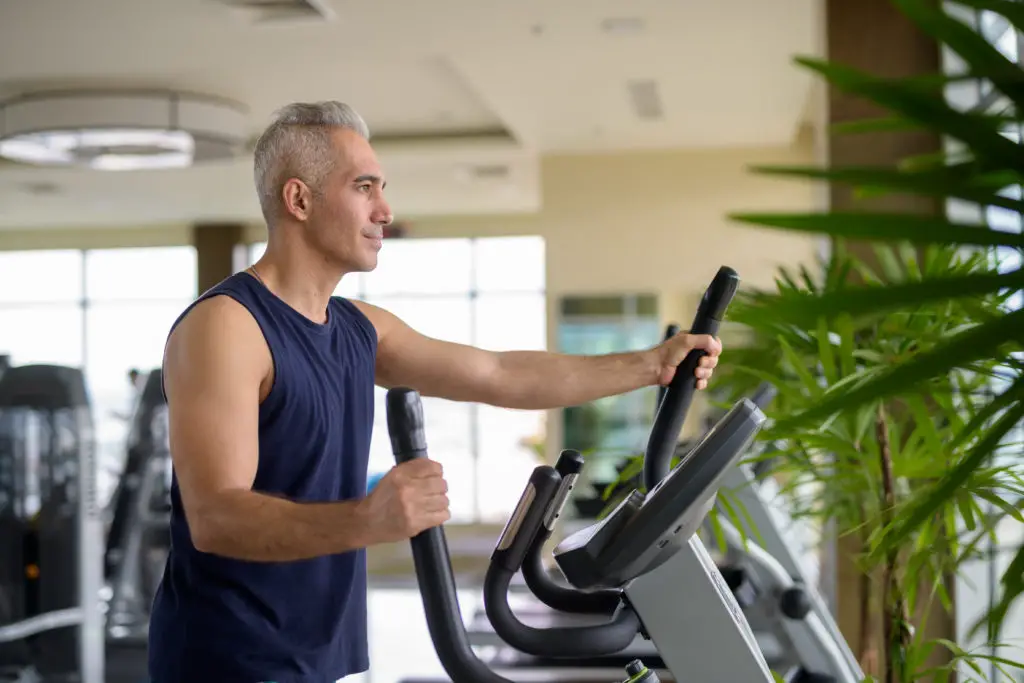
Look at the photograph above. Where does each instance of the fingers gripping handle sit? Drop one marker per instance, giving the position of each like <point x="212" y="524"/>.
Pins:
<point x="670" y="331"/>
<point x="673" y="408"/>
<point x="406" y="424"/>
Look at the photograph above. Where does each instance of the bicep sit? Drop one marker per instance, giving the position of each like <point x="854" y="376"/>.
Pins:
<point x="212" y="375"/>
<point x="433" y="367"/>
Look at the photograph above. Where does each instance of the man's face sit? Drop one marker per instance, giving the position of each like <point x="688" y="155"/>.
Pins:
<point x="349" y="211"/>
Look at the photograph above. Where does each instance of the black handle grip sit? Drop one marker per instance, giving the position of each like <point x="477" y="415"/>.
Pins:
<point x="431" y="558"/>
<point x="672" y="412"/>
<point x="540" y="583"/>
<point x="560" y="597"/>
<point x="527" y="519"/>
<point x="406" y="424"/>
<point x="670" y="331"/>
<point x="581" y="641"/>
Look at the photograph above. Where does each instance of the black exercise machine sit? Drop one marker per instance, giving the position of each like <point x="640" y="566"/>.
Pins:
<point x="139" y="532"/>
<point x="51" y="622"/>
<point x="644" y="556"/>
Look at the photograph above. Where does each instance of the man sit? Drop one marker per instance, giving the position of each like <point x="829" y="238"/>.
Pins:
<point x="269" y="382"/>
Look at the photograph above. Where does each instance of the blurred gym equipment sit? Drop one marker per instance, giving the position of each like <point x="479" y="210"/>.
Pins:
<point x="138" y="537"/>
<point x="51" y="623"/>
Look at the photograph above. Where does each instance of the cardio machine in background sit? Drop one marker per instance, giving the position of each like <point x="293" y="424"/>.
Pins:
<point x="51" y="622"/>
<point x="139" y="533"/>
<point x="642" y="573"/>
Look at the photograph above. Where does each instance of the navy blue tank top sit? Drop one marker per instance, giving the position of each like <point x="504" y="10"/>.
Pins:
<point x="233" y="621"/>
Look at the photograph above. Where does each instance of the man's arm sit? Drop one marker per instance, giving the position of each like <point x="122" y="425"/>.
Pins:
<point x="529" y="380"/>
<point x="215" y="364"/>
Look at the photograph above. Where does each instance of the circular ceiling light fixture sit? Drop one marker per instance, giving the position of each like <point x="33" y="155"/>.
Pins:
<point x="118" y="131"/>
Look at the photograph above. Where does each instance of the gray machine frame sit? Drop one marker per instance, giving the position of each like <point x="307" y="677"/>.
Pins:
<point x="813" y="643"/>
<point x="722" y="647"/>
<point x="87" y="618"/>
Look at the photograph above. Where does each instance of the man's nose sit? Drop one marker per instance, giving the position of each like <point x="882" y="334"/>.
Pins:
<point x="383" y="215"/>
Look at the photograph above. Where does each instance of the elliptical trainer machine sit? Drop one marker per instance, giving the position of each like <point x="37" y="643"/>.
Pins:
<point x="643" y="560"/>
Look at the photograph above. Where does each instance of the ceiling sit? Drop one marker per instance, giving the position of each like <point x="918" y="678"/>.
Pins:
<point x="462" y="96"/>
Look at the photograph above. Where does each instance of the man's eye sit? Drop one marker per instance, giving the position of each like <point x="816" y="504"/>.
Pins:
<point x="365" y="188"/>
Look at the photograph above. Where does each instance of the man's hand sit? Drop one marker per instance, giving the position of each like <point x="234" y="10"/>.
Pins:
<point x="408" y="499"/>
<point x="672" y="351"/>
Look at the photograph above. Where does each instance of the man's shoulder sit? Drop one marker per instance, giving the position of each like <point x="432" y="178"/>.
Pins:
<point x="217" y="314"/>
<point x="373" y="316"/>
<point x="216" y="332"/>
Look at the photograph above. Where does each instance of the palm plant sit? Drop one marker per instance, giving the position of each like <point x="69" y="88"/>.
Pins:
<point x="860" y="469"/>
<point x="932" y="380"/>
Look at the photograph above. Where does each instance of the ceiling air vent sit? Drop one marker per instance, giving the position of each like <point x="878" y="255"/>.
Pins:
<point x="645" y="98"/>
<point x="482" y="173"/>
<point x="277" y="11"/>
<point x="490" y="171"/>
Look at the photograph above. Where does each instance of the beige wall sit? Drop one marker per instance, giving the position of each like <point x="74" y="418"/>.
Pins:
<point x="654" y="222"/>
<point x="640" y="222"/>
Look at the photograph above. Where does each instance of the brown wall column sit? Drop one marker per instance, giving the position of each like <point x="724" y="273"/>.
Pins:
<point x="873" y="36"/>
<point x="215" y="251"/>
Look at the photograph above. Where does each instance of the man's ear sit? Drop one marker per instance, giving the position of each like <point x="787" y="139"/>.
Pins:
<point x="297" y="198"/>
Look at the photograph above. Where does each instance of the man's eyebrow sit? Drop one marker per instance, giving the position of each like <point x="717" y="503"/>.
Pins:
<point x="370" y="178"/>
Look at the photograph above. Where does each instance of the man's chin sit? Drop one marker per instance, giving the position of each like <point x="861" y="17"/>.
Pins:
<point x="369" y="263"/>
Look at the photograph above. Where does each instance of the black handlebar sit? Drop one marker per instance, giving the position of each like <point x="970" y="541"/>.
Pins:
<point x="522" y="528"/>
<point x="673" y="407"/>
<point x="670" y="331"/>
<point x="540" y="583"/>
<point x="430" y="555"/>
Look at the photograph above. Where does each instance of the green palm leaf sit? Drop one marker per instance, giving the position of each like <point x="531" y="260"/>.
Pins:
<point x="964" y="181"/>
<point x="982" y="341"/>
<point x="1012" y="10"/>
<point x="925" y="107"/>
<point x="881" y="299"/>
<point x="890" y="227"/>
<point x="971" y="46"/>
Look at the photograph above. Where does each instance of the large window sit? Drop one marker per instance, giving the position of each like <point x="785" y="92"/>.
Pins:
<point x="132" y="297"/>
<point x="41" y="296"/>
<point x="978" y="585"/>
<point x="486" y="292"/>
<point x="610" y="429"/>
<point x="106" y="311"/>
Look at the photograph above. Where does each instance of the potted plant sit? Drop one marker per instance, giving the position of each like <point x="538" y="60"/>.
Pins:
<point x="861" y="469"/>
<point x="986" y="170"/>
<point x="857" y="471"/>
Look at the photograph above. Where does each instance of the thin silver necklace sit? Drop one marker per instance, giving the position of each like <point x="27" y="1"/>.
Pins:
<point x="257" y="275"/>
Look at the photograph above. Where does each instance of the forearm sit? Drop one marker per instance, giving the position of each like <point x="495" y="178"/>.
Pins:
<point x="247" y="525"/>
<point x="537" y="380"/>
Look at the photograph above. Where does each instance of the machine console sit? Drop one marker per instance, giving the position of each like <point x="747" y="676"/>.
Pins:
<point x="644" y="531"/>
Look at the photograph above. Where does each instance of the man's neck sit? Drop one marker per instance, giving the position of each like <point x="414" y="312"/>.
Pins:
<point x="301" y="280"/>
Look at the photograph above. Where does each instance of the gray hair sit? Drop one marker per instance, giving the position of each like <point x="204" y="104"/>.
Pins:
<point x="297" y="144"/>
